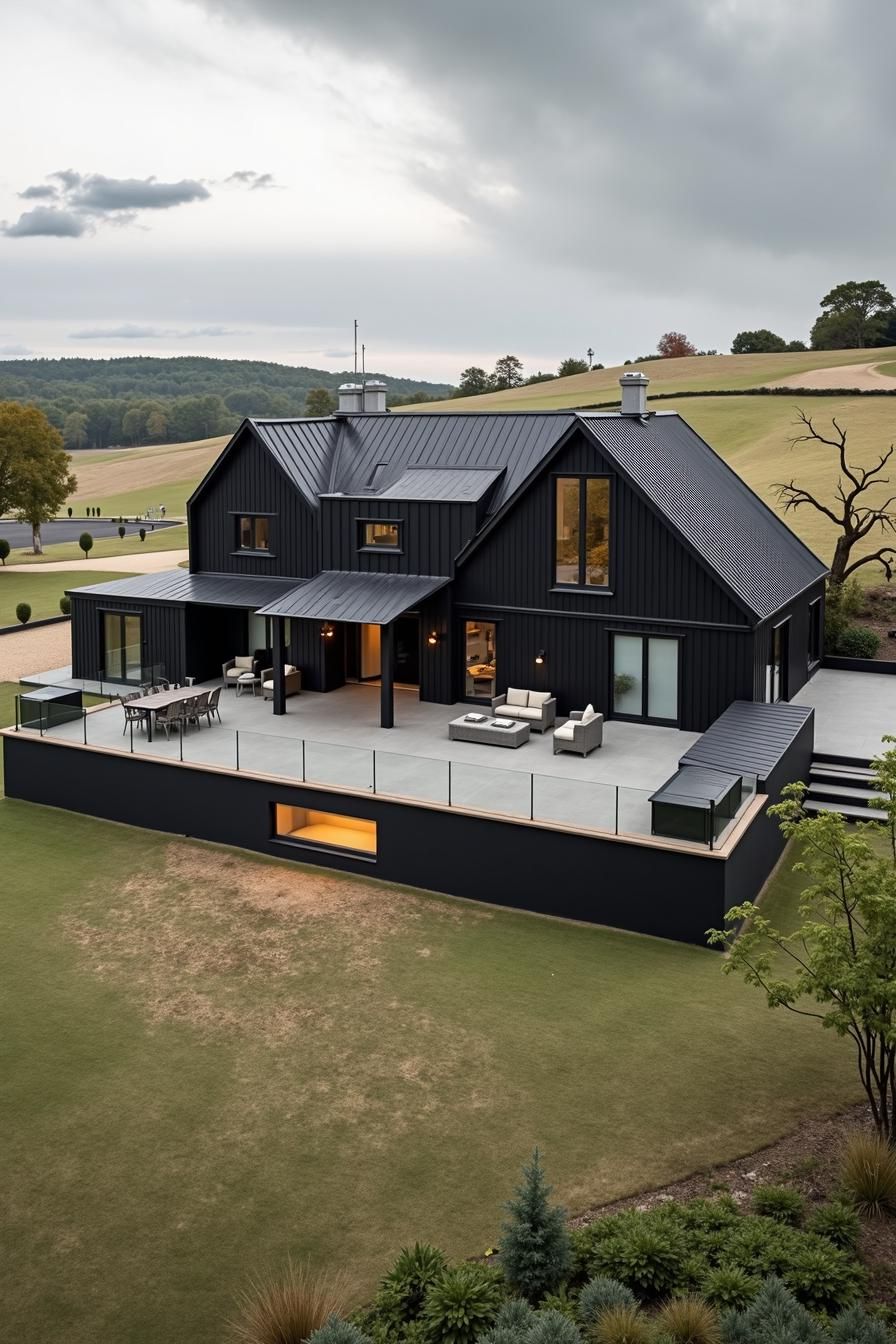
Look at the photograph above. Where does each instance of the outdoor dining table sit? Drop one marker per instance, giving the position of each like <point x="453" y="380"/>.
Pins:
<point x="149" y="704"/>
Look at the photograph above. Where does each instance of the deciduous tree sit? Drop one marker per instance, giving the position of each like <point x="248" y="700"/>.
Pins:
<point x="839" y="965"/>
<point x="572" y="365"/>
<point x="674" y="345"/>
<point x="474" y="381"/>
<point x="74" y="430"/>
<point x="853" y="315"/>
<point x="854" y="518"/>
<point x="760" y="342"/>
<point x="320" y="401"/>
<point x="34" y="467"/>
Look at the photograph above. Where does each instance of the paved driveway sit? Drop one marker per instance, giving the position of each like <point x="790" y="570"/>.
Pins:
<point x="19" y="534"/>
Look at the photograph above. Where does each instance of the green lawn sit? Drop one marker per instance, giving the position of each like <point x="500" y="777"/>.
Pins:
<point x="173" y="494"/>
<point x="164" y="539"/>
<point x="43" y="590"/>
<point x="211" y="1060"/>
<point x="889" y="368"/>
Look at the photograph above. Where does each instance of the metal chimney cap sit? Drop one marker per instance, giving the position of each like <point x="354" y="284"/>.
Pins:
<point x="634" y="378"/>
<point x="350" y="387"/>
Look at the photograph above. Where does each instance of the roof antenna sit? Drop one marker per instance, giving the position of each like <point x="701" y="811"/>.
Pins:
<point x="363" y="364"/>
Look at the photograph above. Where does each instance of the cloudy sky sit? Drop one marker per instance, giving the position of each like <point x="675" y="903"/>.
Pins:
<point x="245" y="177"/>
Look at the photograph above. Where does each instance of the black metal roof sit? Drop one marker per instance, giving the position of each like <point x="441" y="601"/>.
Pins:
<point x="367" y="454"/>
<point x="180" y="587"/>
<point x="740" y="538"/>
<point x="742" y="541"/>
<point x="462" y="485"/>
<point x="344" y="595"/>
<point x="749" y="737"/>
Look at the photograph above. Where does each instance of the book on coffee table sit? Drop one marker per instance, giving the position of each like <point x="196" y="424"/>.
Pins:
<point x="503" y="723"/>
<point x="474" y="718"/>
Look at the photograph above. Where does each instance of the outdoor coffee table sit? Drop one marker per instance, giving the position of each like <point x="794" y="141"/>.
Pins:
<point x="245" y="680"/>
<point x="461" y="730"/>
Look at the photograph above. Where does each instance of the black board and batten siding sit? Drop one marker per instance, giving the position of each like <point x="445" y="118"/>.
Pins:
<point x="164" y="634"/>
<point x="431" y="535"/>
<point x="248" y="481"/>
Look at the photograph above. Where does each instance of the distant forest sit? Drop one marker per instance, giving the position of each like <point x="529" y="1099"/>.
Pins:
<point x="103" y="403"/>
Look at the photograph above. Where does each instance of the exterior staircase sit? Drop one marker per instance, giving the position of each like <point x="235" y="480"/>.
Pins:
<point x="843" y="784"/>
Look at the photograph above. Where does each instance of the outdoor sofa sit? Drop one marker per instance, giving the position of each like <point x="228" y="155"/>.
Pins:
<point x="582" y="732"/>
<point x="537" y="708"/>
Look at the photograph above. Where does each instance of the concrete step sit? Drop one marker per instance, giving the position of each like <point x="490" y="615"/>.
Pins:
<point x="847" y="792"/>
<point x="825" y="758"/>
<point x="848" y="810"/>
<point x="858" y="776"/>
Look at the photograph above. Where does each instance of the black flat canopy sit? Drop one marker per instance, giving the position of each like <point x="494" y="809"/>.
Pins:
<point x="694" y="786"/>
<point x="181" y="588"/>
<point x="361" y="599"/>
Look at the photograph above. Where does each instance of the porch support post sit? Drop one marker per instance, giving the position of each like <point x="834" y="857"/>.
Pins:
<point x="387" y="696"/>
<point x="277" y="656"/>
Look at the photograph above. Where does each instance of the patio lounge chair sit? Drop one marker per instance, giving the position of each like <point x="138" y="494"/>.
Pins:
<point x="234" y="668"/>
<point x="582" y="733"/>
<point x="537" y="708"/>
<point x="292" y="676"/>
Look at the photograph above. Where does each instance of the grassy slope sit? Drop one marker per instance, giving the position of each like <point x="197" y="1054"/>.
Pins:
<point x="167" y="539"/>
<point x="42" y="591"/>
<point x="137" y="478"/>
<point x="200" y="1080"/>
<point x="666" y="375"/>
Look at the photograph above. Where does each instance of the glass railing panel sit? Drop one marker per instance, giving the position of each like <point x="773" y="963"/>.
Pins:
<point x="574" y="802"/>
<point x="405" y="776"/>
<point x="340" y="766"/>
<point x="497" y="792"/>
<point x="202" y="746"/>
<point x="634" y="811"/>
<point x="268" y="754"/>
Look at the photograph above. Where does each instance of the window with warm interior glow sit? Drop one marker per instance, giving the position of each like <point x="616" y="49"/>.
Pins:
<point x="254" y="533"/>
<point x="480" y="666"/>
<point x="582" y="531"/>
<point x="326" y="830"/>
<point x="381" y="536"/>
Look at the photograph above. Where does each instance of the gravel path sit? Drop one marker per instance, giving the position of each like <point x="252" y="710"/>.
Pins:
<point x="151" y="563"/>
<point x="37" y="650"/>
<point x="863" y="377"/>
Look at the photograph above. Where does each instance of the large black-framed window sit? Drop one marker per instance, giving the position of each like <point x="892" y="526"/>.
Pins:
<point x="582" y="531"/>
<point x="480" y="650"/>
<point x="122" y="640"/>
<point x="646" y="677"/>
<point x="253" y="533"/>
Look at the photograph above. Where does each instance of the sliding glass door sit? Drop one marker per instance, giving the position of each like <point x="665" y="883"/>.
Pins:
<point x="645" y="678"/>
<point x="122" y="646"/>
<point x="776" y="667"/>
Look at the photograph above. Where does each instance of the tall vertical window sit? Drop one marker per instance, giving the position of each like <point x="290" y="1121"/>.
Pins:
<point x="582" y="531"/>
<point x="815" y="638"/>
<point x="122" y="646"/>
<point x="254" y="533"/>
<point x="480" y="666"/>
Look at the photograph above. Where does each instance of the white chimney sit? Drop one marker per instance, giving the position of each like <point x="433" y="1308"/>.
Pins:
<point x="375" y="396"/>
<point x="634" y="393"/>
<point x="351" y="399"/>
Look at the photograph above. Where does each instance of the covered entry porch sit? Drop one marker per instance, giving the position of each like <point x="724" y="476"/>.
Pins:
<point x="338" y="598"/>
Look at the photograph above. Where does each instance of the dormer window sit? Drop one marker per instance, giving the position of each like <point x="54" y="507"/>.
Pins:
<point x="254" y="533"/>
<point x="582" y="531"/>
<point x="379" y="536"/>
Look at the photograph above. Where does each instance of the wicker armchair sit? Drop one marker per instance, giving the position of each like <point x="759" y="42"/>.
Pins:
<point x="578" y="734"/>
<point x="292" y="677"/>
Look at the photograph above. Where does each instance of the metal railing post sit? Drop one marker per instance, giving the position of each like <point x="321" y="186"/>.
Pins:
<point x="17" y="698"/>
<point x="84" y="721"/>
<point x="712" y="823"/>
<point x="531" y="797"/>
<point x="616" y="821"/>
<point x="180" y="738"/>
<point x="303" y="761"/>
<point x="237" y="735"/>
<point x="449" y="783"/>
<point x="373" y="769"/>
<point x="131" y="726"/>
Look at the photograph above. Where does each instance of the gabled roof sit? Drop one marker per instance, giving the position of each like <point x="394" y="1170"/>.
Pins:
<point x="180" y="587"/>
<point x="346" y="595"/>
<point x="740" y="538"/>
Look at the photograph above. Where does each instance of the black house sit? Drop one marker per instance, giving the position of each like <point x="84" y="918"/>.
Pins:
<point x="611" y="558"/>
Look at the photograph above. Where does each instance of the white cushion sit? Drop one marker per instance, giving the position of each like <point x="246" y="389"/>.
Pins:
<point x="538" y="698"/>
<point x="243" y="661"/>
<point x="519" y="713"/>
<point x="588" y="714"/>
<point x="287" y="669"/>
<point x="267" y="685"/>
<point x="233" y="672"/>
<point x="566" y="732"/>
<point x="515" y="697"/>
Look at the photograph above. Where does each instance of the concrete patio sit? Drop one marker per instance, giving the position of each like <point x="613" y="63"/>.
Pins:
<point x="853" y="710"/>
<point x="335" y="739"/>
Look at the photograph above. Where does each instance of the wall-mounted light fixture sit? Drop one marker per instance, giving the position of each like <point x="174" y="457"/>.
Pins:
<point x="327" y="631"/>
<point x="540" y="657"/>
<point x="432" y="638"/>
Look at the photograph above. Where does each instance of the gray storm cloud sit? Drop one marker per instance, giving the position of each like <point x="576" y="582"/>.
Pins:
<point x="45" y="221"/>
<point x="98" y="195"/>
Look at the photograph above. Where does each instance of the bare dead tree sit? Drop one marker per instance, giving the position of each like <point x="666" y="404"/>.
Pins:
<point x="854" y="518"/>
